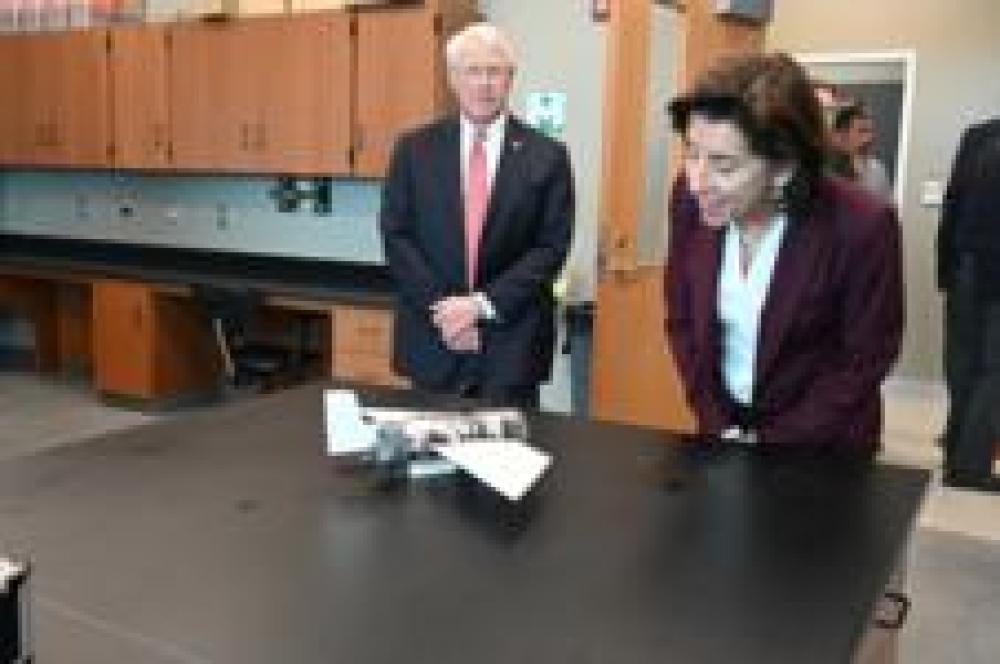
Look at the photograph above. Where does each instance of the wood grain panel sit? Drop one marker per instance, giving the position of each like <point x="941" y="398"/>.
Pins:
<point x="397" y="54"/>
<point x="634" y="378"/>
<point x="140" y="106"/>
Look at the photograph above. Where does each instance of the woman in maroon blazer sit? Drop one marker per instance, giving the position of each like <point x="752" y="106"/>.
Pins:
<point x="783" y="283"/>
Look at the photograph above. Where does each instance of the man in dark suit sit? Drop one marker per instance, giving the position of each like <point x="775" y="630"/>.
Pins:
<point x="969" y="275"/>
<point x="477" y="217"/>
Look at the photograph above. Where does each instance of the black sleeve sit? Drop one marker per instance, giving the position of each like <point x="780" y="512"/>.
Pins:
<point x="518" y="286"/>
<point x="411" y="271"/>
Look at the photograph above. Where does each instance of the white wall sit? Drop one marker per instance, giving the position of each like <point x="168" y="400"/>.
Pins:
<point x="561" y="49"/>
<point x="957" y="83"/>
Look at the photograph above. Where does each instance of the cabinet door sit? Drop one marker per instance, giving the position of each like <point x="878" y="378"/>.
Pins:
<point x="37" y="140"/>
<point x="302" y="94"/>
<point x="123" y="327"/>
<point x="139" y="98"/>
<point x="81" y="108"/>
<point x="209" y="115"/>
<point x="397" y="60"/>
<point x="10" y="88"/>
<point x="361" y="346"/>
<point x="57" y="113"/>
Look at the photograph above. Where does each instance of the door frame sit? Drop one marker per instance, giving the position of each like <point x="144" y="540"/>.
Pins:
<point x="905" y="57"/>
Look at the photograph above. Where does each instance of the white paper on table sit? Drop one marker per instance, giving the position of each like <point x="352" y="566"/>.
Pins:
<point x="346" y="430"/>
<point x="508" y="466"/>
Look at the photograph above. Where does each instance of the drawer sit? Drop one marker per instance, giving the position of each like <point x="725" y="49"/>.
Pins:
<point x="362" y="331"/>
<point x="366" y="369"/>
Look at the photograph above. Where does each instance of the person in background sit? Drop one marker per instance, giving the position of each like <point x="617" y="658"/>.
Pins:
<point x="968" y="267"/>
<point x="784" y="295"/>
<point x="476" y="221"/>
<point x="853" y="134"/>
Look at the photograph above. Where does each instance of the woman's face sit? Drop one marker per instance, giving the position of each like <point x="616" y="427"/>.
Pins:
<point x="728" y="180"/>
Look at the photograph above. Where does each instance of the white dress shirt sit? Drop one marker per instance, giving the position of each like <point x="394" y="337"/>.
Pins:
<point x="741" y="300"/>
<point x="494" y="135"/>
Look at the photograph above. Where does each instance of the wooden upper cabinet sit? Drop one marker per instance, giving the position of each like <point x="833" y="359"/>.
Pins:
<point x="398" y="62"/>
<point x="207" y="102"/>
<point x="297" y="94"/>
<point x="36" y="140"/>
<point x="139" y="105"/>
<point x="10" y="113"/>
<point x="57" y="111"/>
<point x="262" y="95"/>
<point x="301" y="119"/>
<point x="63" y="99"/>
<point x="83" y="114"/>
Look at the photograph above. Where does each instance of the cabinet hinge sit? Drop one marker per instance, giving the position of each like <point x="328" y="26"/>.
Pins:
<point x="438" y="24"/>
<point x="170" y="150"/>
<point x="111" y="150"/>
<point x="350" y="157"/>
<point x="353" y="30"/>
<point x="168" y="39"/>
<point x="107" y="42"/>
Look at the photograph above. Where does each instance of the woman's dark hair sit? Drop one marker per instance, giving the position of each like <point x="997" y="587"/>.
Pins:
<point x="845" y="115"/>
<point x="772" y="101"/>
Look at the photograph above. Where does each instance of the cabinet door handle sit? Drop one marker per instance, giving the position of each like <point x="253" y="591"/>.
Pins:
<point x="260" y="139"/>
<point x="158" y="130"/>
<point x="359" y="138"/>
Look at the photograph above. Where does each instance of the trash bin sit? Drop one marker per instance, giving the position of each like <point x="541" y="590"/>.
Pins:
<point x="579" y="321"/>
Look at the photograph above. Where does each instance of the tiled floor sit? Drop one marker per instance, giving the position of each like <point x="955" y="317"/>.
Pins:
<point x="955" y="570"/>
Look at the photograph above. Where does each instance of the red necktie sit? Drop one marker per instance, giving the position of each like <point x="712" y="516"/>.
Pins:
<point x="476" y="196"/>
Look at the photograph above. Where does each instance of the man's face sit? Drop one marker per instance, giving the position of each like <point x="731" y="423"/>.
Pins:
<point x="727" y="179"/>
<point x="481" y="81"/>
<point x="859" y="136"/>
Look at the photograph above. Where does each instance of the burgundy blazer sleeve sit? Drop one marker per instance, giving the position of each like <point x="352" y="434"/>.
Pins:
<point x="686" y="270"/>
<point x="840" y="405"/>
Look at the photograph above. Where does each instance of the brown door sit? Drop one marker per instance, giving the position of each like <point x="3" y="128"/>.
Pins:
<point x="634" y="377"/>
<point x="140" y="111"/>
<point x="397" y="81"/>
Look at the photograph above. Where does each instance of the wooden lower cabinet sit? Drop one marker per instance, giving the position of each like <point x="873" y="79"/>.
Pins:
<point x="149" y="345"/>
<point x="34" y="300"/>
<point x="361" y="348"/>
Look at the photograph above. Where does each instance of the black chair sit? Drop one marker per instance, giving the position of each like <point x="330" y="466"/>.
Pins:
<point x="249" y="357"/>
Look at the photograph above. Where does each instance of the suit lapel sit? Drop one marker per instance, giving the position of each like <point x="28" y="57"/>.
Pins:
<point x="506" y="181"/>
<point x="450" y="169"/>
<point x="706" y="246"/>
<point x="793" y="268"/>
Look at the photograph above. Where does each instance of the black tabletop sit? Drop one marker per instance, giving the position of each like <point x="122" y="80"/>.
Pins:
<point x="227" y="536"/>
<point x="332" y="280"/>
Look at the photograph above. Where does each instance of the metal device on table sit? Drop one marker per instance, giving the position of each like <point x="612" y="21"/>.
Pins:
<point x="406" y="446"/>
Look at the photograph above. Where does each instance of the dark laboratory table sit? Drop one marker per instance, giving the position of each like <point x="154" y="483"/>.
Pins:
<point x="227" y="536"/>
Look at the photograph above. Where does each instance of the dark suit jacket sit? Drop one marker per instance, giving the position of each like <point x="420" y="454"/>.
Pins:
<point x="525" y="240"/>
<point x="970" y="218"/>
<point x="830" y="328"/>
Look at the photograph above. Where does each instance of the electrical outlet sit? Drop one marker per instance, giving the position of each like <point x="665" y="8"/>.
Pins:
<point x="171" y="215"/>
<point x="222" y="217"/>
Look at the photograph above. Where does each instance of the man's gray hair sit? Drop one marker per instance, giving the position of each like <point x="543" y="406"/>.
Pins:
<point x="484" y="34"/>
